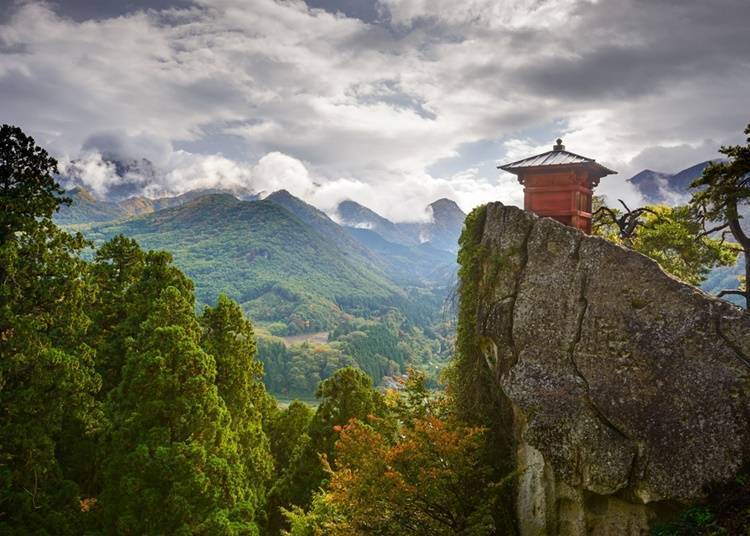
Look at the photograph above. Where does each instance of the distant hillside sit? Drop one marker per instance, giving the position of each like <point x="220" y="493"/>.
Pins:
<point x="420" y="264"/>
<point x="86" y="208"/>
<point x="414" y="253"/>
<point x="660" y="187"/>
<point x="320" y="222"/>
<point x="352" y="214"/>
<point x="441" y="232"/>
<point x="276" y="266"/>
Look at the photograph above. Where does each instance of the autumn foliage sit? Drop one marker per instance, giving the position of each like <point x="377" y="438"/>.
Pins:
<point x="426" y="477"/>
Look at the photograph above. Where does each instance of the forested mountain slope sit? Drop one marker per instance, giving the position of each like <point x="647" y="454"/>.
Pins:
<point x="278" y="268"/>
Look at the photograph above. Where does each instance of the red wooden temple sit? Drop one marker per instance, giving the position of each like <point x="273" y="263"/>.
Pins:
<point x="559" y="184"/>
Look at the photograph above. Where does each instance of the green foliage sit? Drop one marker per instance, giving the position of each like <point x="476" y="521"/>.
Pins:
<point x="725" y="512"/>
<point x="297" y="370"/>
<point x="165" y="444"/>
<point x="128" y="279"/>
<point x="285" y="432"/>
<point x="382" y="346"/>
<point x="122" y="412"/>
<point x="469" y="384"/>
<point x="174" y="464"/>
<point x="345" y="395"/>
<point x="277" y="267"/>
<point x="672" y="236"/>
<point x="228" y="336"/>
<point x="427" y="478"/>
<point x="47" y="377"/>
<point x="476" y="399"/>
<point x="725" y="185"/>
<point x="28" y="191"/>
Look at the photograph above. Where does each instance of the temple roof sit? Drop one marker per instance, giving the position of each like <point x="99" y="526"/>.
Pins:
<point x="558" y="156"/>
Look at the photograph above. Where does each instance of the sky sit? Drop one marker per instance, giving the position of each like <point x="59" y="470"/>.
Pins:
<point x="391" y="103"/>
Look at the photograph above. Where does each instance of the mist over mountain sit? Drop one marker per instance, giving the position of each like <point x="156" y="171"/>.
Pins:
<point x="352" y="214"/>
<point x="445" y="228"/>
<point x="86" y="208"/>
<point x="669" y="188"/>
<point x="441" y="232"/>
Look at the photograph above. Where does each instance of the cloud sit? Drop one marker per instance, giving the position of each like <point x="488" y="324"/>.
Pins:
<point x="365" y="100"/>
<point x="120" y="146"/>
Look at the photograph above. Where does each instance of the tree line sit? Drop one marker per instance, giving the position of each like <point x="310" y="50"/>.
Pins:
<point x="123" y="411"/>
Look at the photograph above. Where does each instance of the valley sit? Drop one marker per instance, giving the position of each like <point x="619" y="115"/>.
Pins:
<point x="321" y="295"/>
<point x="323" y="292"/>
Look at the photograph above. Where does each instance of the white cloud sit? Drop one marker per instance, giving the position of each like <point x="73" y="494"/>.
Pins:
<point x="332" y="108"/>
<point x="92" y="171"/>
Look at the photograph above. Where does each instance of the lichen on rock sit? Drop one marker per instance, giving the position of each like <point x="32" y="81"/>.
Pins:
<point x="627" y="387"/>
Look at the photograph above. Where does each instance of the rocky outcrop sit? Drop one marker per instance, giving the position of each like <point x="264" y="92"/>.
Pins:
<point x="629" y="389"/>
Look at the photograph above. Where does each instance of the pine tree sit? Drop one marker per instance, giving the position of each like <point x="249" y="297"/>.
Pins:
<point x="174" y="463"/>
<point x="47" y="378"/>
<point x="228" y="337"/>
<point x="722" y="191"/>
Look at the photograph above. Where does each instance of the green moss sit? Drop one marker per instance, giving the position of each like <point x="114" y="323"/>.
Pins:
<point x="477" y="398"/>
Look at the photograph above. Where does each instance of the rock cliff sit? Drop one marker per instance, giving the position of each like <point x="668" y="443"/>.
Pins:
<point x="628" y="390"/>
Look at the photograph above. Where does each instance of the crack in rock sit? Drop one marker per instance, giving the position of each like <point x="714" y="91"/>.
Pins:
<point x="517" y="286"/>
<point x="745" y="360"/>
<point x="580" y="316"/>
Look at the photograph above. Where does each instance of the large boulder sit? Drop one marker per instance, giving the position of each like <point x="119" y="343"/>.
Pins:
<point x="629" y="389"/>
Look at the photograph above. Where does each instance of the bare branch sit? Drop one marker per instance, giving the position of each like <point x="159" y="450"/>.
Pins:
<point x="608" y="210"/>
<point x="730" y="292"/>
<point x="627" y="209"/>
<point x="707" y="232"/>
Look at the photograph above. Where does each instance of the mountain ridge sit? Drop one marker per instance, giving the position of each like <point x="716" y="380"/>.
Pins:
<point x="261" y="254"/>
<point x="662" y="187"/>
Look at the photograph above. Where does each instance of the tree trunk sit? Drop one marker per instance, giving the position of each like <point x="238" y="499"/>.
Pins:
<point x="744" y="242"/>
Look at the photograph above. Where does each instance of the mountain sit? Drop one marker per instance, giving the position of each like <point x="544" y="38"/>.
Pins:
<point x="422" y="255"/>
<point x="441" y="232"/>
<point x="444" y="228"/>
<point x="650" y="184"/>
<point x="319" y="220"/>
<point x="447" y="222"/>
<point x="414" y="253"/>
<point x="85" y="208"/>
<point x="416" y="265"/>
<point x="278" y="267"/>
<point x="659" y="187"/>
<point x="352" y="214"/>
<point x="674" y="188"/>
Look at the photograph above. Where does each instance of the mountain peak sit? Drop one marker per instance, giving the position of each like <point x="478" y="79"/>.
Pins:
<point x="282" y="194"/>
<point x="446" y="209"/>
<point x="660" y="187"/>
<point x="444" y="201"/>
<point x="82" y="193"/>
